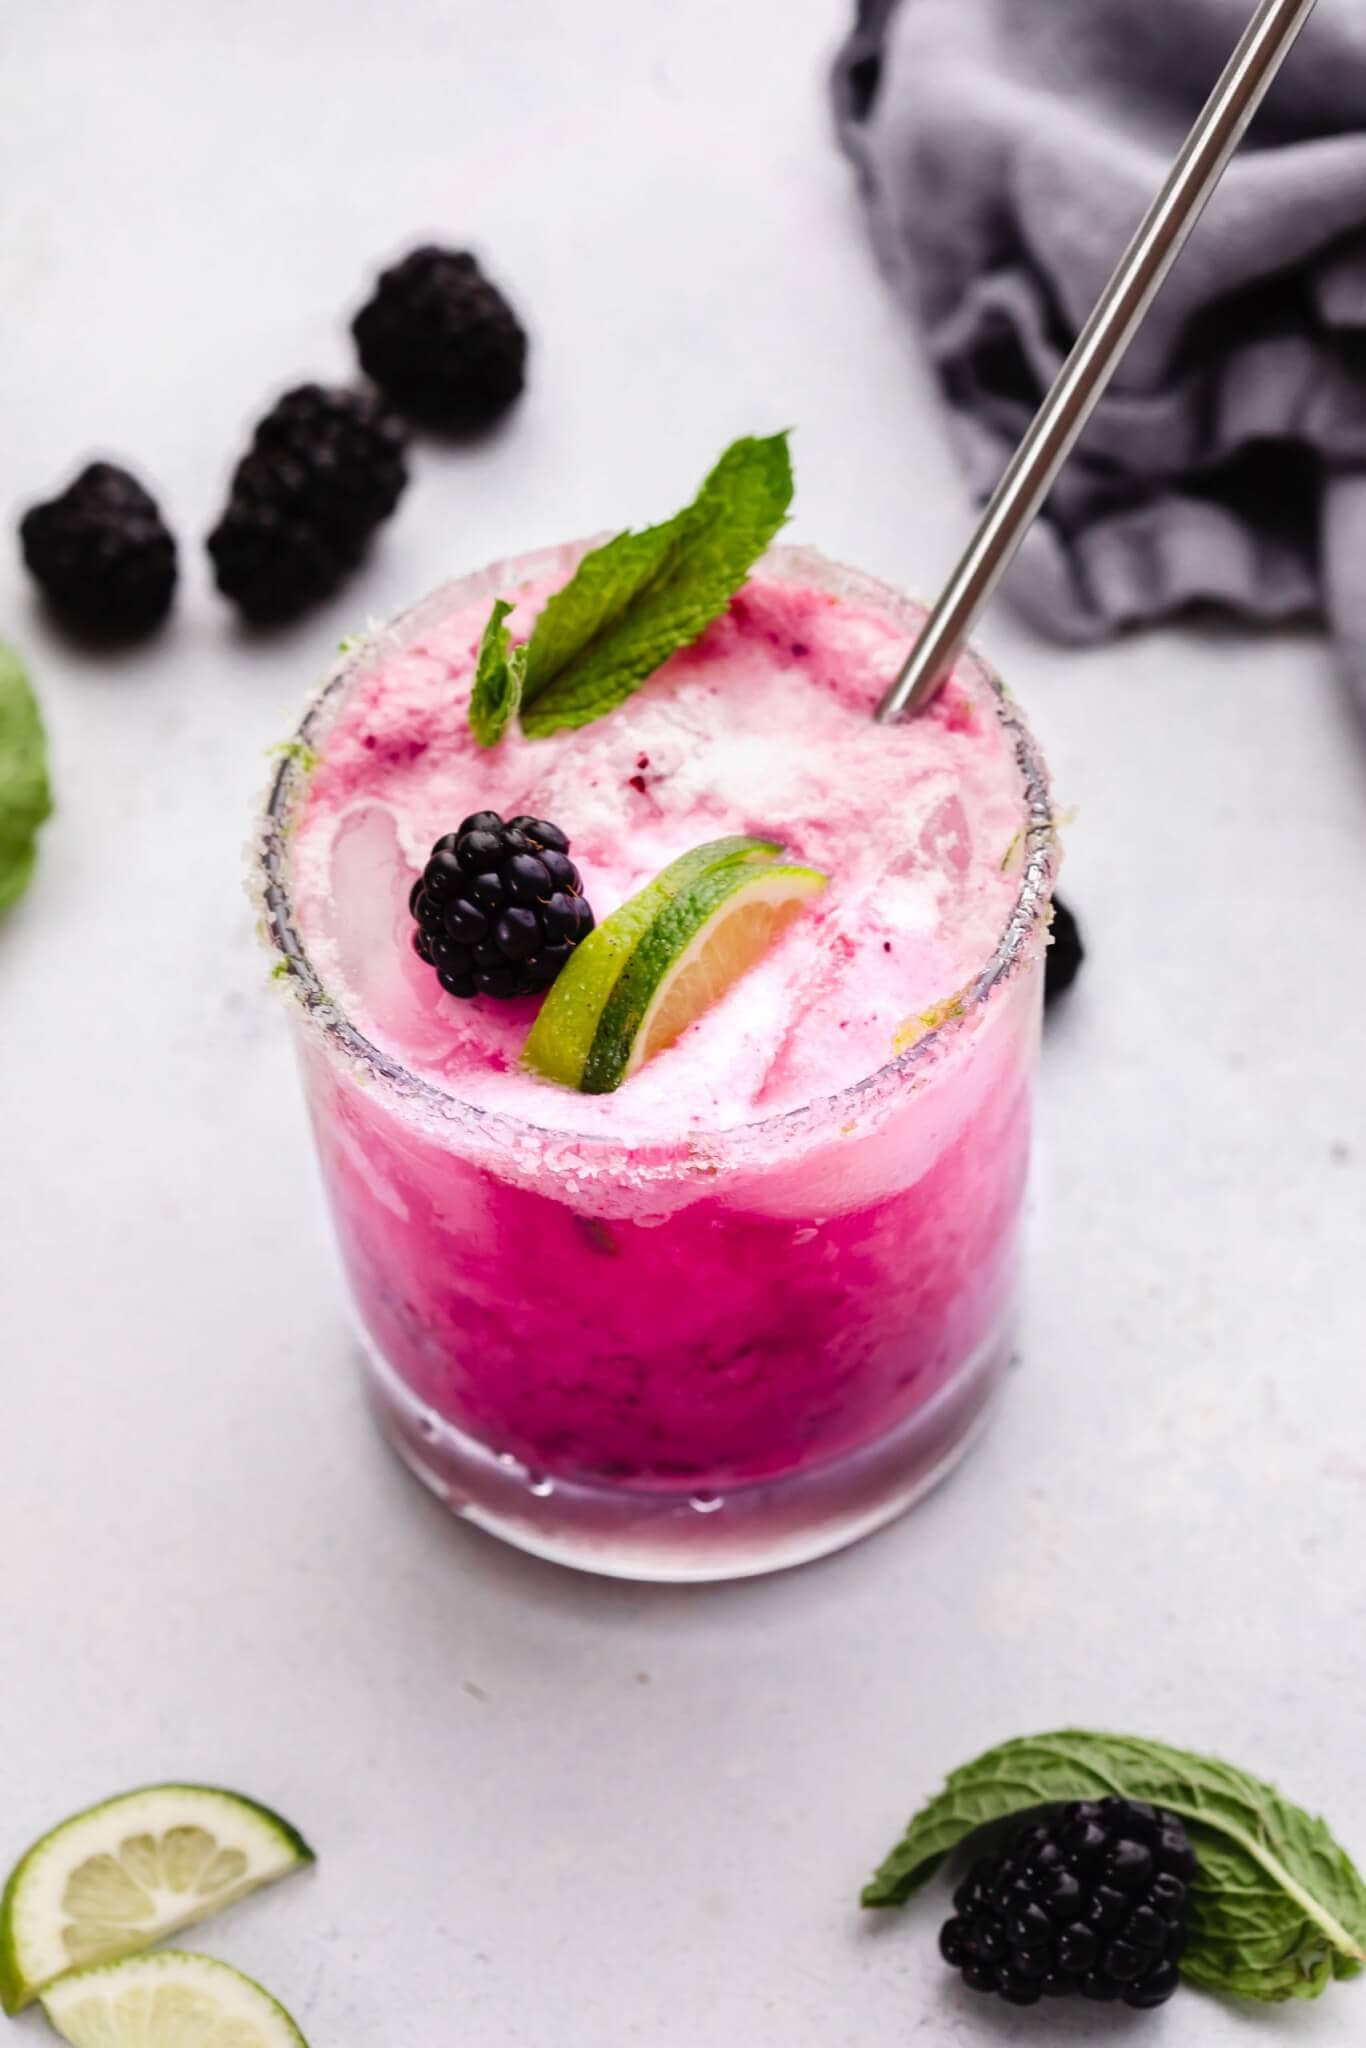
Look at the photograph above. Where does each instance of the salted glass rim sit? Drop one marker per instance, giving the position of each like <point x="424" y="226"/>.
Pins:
<point x="288" y="786"/>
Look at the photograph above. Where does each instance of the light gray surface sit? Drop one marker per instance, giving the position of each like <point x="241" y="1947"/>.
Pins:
<point x="552" y="1810"/>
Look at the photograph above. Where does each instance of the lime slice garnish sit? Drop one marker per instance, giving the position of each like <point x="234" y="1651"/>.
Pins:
<point x="119" y="1877"/>
<point x="695" y="949"/>
<point x="650" y="970"/>
<point x="171" y="2000"/>
<point x="562" y="1036"/>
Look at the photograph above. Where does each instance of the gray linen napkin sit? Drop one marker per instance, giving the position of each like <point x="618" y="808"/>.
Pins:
<point x="1007" y="149"/>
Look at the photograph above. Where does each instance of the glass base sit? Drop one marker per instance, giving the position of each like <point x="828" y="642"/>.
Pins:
<point x="673" y="1538"/>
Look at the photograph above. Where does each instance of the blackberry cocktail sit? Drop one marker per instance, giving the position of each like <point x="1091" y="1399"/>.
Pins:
<point x="733" y="1292"/>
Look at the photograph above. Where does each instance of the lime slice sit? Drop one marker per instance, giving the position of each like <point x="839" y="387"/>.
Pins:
<point x="695" y="949"/>
<point x="562" y="1037"/>
<point x="666" y="956"/>
<point x="168" y="2001"/>
<point x="119" y="1877"/>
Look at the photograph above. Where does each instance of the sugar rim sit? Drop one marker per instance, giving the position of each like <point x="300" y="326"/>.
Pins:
<point x="270" y="872"/>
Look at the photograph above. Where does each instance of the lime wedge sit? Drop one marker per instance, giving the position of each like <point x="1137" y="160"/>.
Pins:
<point x="168" y="2001"/>
<point x="119" y="1877"/>
<point x="562" y="1037"/>
<point x="695" y="949"/>
<point x="664" y="958"/>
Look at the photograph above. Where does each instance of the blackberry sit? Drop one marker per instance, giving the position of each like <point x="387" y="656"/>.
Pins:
<point x="272" y="564"/>
<point x="102" y="554"/>
<point x="325" y="467"/>
<point x="442" y="341"/>
<point x="499" y="907"/>
<point x="1064" y="956"/>
<point x="1091" y="1899"/>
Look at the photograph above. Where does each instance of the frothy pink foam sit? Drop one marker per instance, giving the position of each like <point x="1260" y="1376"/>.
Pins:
<point x="762" y="727"/>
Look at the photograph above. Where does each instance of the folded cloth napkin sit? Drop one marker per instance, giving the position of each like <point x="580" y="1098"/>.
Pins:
<point x="1007" y="150"/>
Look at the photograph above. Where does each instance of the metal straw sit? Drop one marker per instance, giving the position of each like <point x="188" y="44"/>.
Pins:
<point x="1101" y="344"/>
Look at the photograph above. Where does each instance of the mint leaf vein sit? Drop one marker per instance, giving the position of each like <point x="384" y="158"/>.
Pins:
<point x="1277" y="1910"/>
<point x="634" y="601"/>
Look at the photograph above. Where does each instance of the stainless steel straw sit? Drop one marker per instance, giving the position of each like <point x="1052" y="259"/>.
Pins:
<point x="1101" y="344"/>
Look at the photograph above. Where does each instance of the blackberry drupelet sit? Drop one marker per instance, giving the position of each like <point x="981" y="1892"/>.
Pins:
<point x="102" y="554"/>
<point x="1090" y="1899"/>
<point x="1065" y="954"/>
<point x="499" y="907"/>
<point x="442" y="341"/>
<point x="271" y="563"/>
<point x="337" y="456"/>
<point x="325" y="467"/>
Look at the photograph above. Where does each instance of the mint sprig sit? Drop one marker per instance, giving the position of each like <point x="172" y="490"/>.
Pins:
<point x="499" y="676"/>
<point x="25" y="796"/>
<point x="633" y="602"/>
<point x="1277" y="1908"/>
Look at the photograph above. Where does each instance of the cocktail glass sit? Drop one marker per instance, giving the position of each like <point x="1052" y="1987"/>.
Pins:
<point x="691" y="1360"/>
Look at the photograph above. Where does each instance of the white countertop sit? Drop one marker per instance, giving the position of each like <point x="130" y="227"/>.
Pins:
<point x="552" y="1810"/>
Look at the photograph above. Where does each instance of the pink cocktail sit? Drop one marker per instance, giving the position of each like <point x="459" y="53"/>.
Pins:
<point x="747" y="1307"/>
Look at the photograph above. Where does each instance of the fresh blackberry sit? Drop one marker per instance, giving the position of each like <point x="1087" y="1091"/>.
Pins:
<point x="1064" y="956"/>
<point x="1091" y="1899"/>
<point x="499" y="907"/>
<point x="102" y="554"/>
<point x="325" y="467"/>
<point x="272" y="564"/>
<point x="336" y="457"/>
<point x="442" y="341"/>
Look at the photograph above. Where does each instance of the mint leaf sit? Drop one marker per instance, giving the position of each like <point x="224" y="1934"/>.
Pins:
<point x="607" y="582"/>
<point x="25" y="797"/>
<point x="635" y="601"/>
<point x="1277" y="1910"/>
<point x="498" y="678"/>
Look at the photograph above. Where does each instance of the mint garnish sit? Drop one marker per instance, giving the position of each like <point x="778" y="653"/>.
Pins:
<point x="1277" y="1909"/>
<point x="25" y="797"/>
<point x="633" y="602"/>
<point x="498" y="678"/>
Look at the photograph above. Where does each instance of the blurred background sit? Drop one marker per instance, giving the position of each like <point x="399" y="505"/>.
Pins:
<point x="543" y="1804"/>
